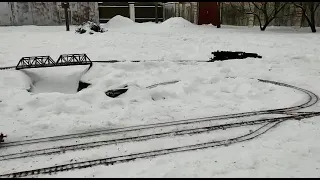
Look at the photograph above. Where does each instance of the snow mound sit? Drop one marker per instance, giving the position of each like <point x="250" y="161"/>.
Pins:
<point x="90" y="28"/>
<point x="50" y="80"/>
<point x="13" y="79"/>
<point x="177" y="22"/>
<point x="119" y="21"/>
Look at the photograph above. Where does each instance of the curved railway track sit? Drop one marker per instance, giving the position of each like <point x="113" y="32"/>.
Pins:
<point x="192" y="131"/>
<point x="150" y="154"/>
<point x="311" y="100"/>
<point x="267" y="124"/>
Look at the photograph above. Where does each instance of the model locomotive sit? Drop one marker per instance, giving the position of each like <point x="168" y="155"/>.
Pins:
<point x="225" y="55"/>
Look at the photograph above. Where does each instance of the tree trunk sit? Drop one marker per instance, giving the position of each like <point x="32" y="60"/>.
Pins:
<point x="312" y="25"/>
<point x="263" y="28"/>
<point x="313" y="28"/>
<point x="266" y="21"/>
<point x="266" y="25"/>
<point x="312" y="15"/>
<point x="311" y="20"/>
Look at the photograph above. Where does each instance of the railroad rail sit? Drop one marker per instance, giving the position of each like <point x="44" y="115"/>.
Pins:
<point x="195" y="126"/>
<point x="310" y="100"/>
<point x="150" y="154"/>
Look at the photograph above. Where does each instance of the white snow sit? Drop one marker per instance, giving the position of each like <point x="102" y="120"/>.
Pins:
<point x="177" y="22"/>
<point x="204" y="89"/>
<point x="119" y="22"/>
<point x="48" y="80"/>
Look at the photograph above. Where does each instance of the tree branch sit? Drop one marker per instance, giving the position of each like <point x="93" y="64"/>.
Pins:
<point x="298" y="5"/>
<point x="254" y="3"/>
<point x="317" y="5"/>
<point x="236" y="8"/>
<point x="281" y="7"/>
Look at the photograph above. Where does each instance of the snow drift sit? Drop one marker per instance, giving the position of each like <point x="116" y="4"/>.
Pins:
<point x="177" y="22"/>
<point x="58" y="79"/>
<point x="118" y="22"/>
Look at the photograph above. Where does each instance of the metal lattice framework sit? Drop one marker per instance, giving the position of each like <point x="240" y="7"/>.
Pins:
<point x="35" y="62"/>
<point x="47" y="61"/>
<point x="73" y="59"/>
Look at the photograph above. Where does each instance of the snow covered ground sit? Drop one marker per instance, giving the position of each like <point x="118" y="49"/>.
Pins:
<point x="205" y="89"/>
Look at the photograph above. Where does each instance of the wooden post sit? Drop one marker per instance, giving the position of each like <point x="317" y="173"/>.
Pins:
<point x="163" y="12"/>
<point x="66" y="14"/>
<point x="132" y="11"/>
<point x="156" y="11"/>
<point x="218" y="15"/>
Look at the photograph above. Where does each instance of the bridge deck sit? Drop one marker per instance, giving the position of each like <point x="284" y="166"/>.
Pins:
<point x="47" y="61"/>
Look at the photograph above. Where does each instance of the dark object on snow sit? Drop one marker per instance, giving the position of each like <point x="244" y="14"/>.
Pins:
<point x="116" y="92"/>
<point x="96" y="28"/>
<point x="81" y="30"/>
<point x="89" y="26"/>
<point x="82" y="85"/>
<point x="225" y="55"/>
<point x="1" y="137"/>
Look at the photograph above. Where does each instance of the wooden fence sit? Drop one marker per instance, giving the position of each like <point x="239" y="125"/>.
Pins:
<point x="137" y="11"/>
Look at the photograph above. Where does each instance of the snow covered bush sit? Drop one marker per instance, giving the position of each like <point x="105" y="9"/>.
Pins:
<point x="90" y="27"/>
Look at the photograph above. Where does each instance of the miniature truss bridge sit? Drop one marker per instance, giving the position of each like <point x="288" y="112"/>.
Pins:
<point x="47" y="61"/>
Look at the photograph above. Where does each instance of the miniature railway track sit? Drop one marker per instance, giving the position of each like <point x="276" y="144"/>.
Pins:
<point x="6" y="68"/>
<point x="109" y="61"/>
<point x="268" y="124"/>
<point x="139" y="61"/>
<point x="150" y="154"/>
<point x="83" y="146"/>
<point x="311" y="100"/>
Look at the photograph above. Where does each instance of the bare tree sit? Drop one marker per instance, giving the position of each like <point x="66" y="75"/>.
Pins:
<point x="309" y="12"/>
<point x="265" y="12"/>
<point x="268" y="10"/>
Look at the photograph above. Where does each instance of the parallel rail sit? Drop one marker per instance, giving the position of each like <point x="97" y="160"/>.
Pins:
<point x="267" y="124"/>
<point x="150" y="154"/>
